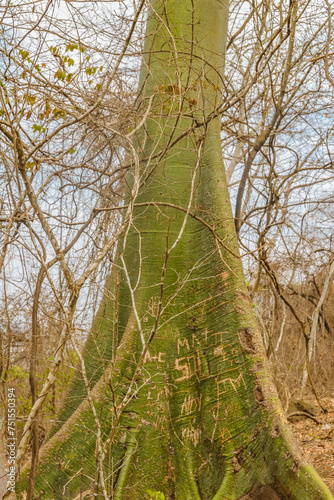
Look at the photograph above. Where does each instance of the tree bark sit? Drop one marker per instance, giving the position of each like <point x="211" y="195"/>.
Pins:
<point x="186" y="399"/>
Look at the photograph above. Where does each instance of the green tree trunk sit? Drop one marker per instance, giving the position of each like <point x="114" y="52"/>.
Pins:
<point x="205" y="421"/>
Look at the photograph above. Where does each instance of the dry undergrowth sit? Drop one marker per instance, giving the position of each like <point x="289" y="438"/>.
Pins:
<point x="317" y="442"/>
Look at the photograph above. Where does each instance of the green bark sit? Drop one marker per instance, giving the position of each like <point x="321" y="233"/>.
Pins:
<point x="206" y="422"/>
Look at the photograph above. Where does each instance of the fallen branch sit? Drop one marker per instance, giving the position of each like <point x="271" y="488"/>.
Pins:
<point x="302" y="414"/>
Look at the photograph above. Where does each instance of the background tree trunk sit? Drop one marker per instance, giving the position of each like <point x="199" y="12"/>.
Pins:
<point x="203" y="420"/>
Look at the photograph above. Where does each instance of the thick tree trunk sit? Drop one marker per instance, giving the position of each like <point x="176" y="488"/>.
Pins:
<point x="205" y="421"/>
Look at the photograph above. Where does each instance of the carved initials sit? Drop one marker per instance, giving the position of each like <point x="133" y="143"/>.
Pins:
<point x="189" y="366"/>
<point x="158" y="359"/>
<point x="182" y="368"/>
<point x="182" y="344"/>
<point x="235" y="383"/>
<point x="190" y="404"/>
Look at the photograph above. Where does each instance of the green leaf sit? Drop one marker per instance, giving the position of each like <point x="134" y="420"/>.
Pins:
<point x="31" y="99"/>
<point x="58" y="113"/>
<point x="30" y="165"/>
<point x="38" y="128"/>
<point x="71" y="46"/>
<point x="23" y="53"/>
<point x="60" y="75"/>
<point x="71" y="151"/>
<point x="90" y="71"/>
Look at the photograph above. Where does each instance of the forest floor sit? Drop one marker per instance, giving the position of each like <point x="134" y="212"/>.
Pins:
<point x="317" y="442"/>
